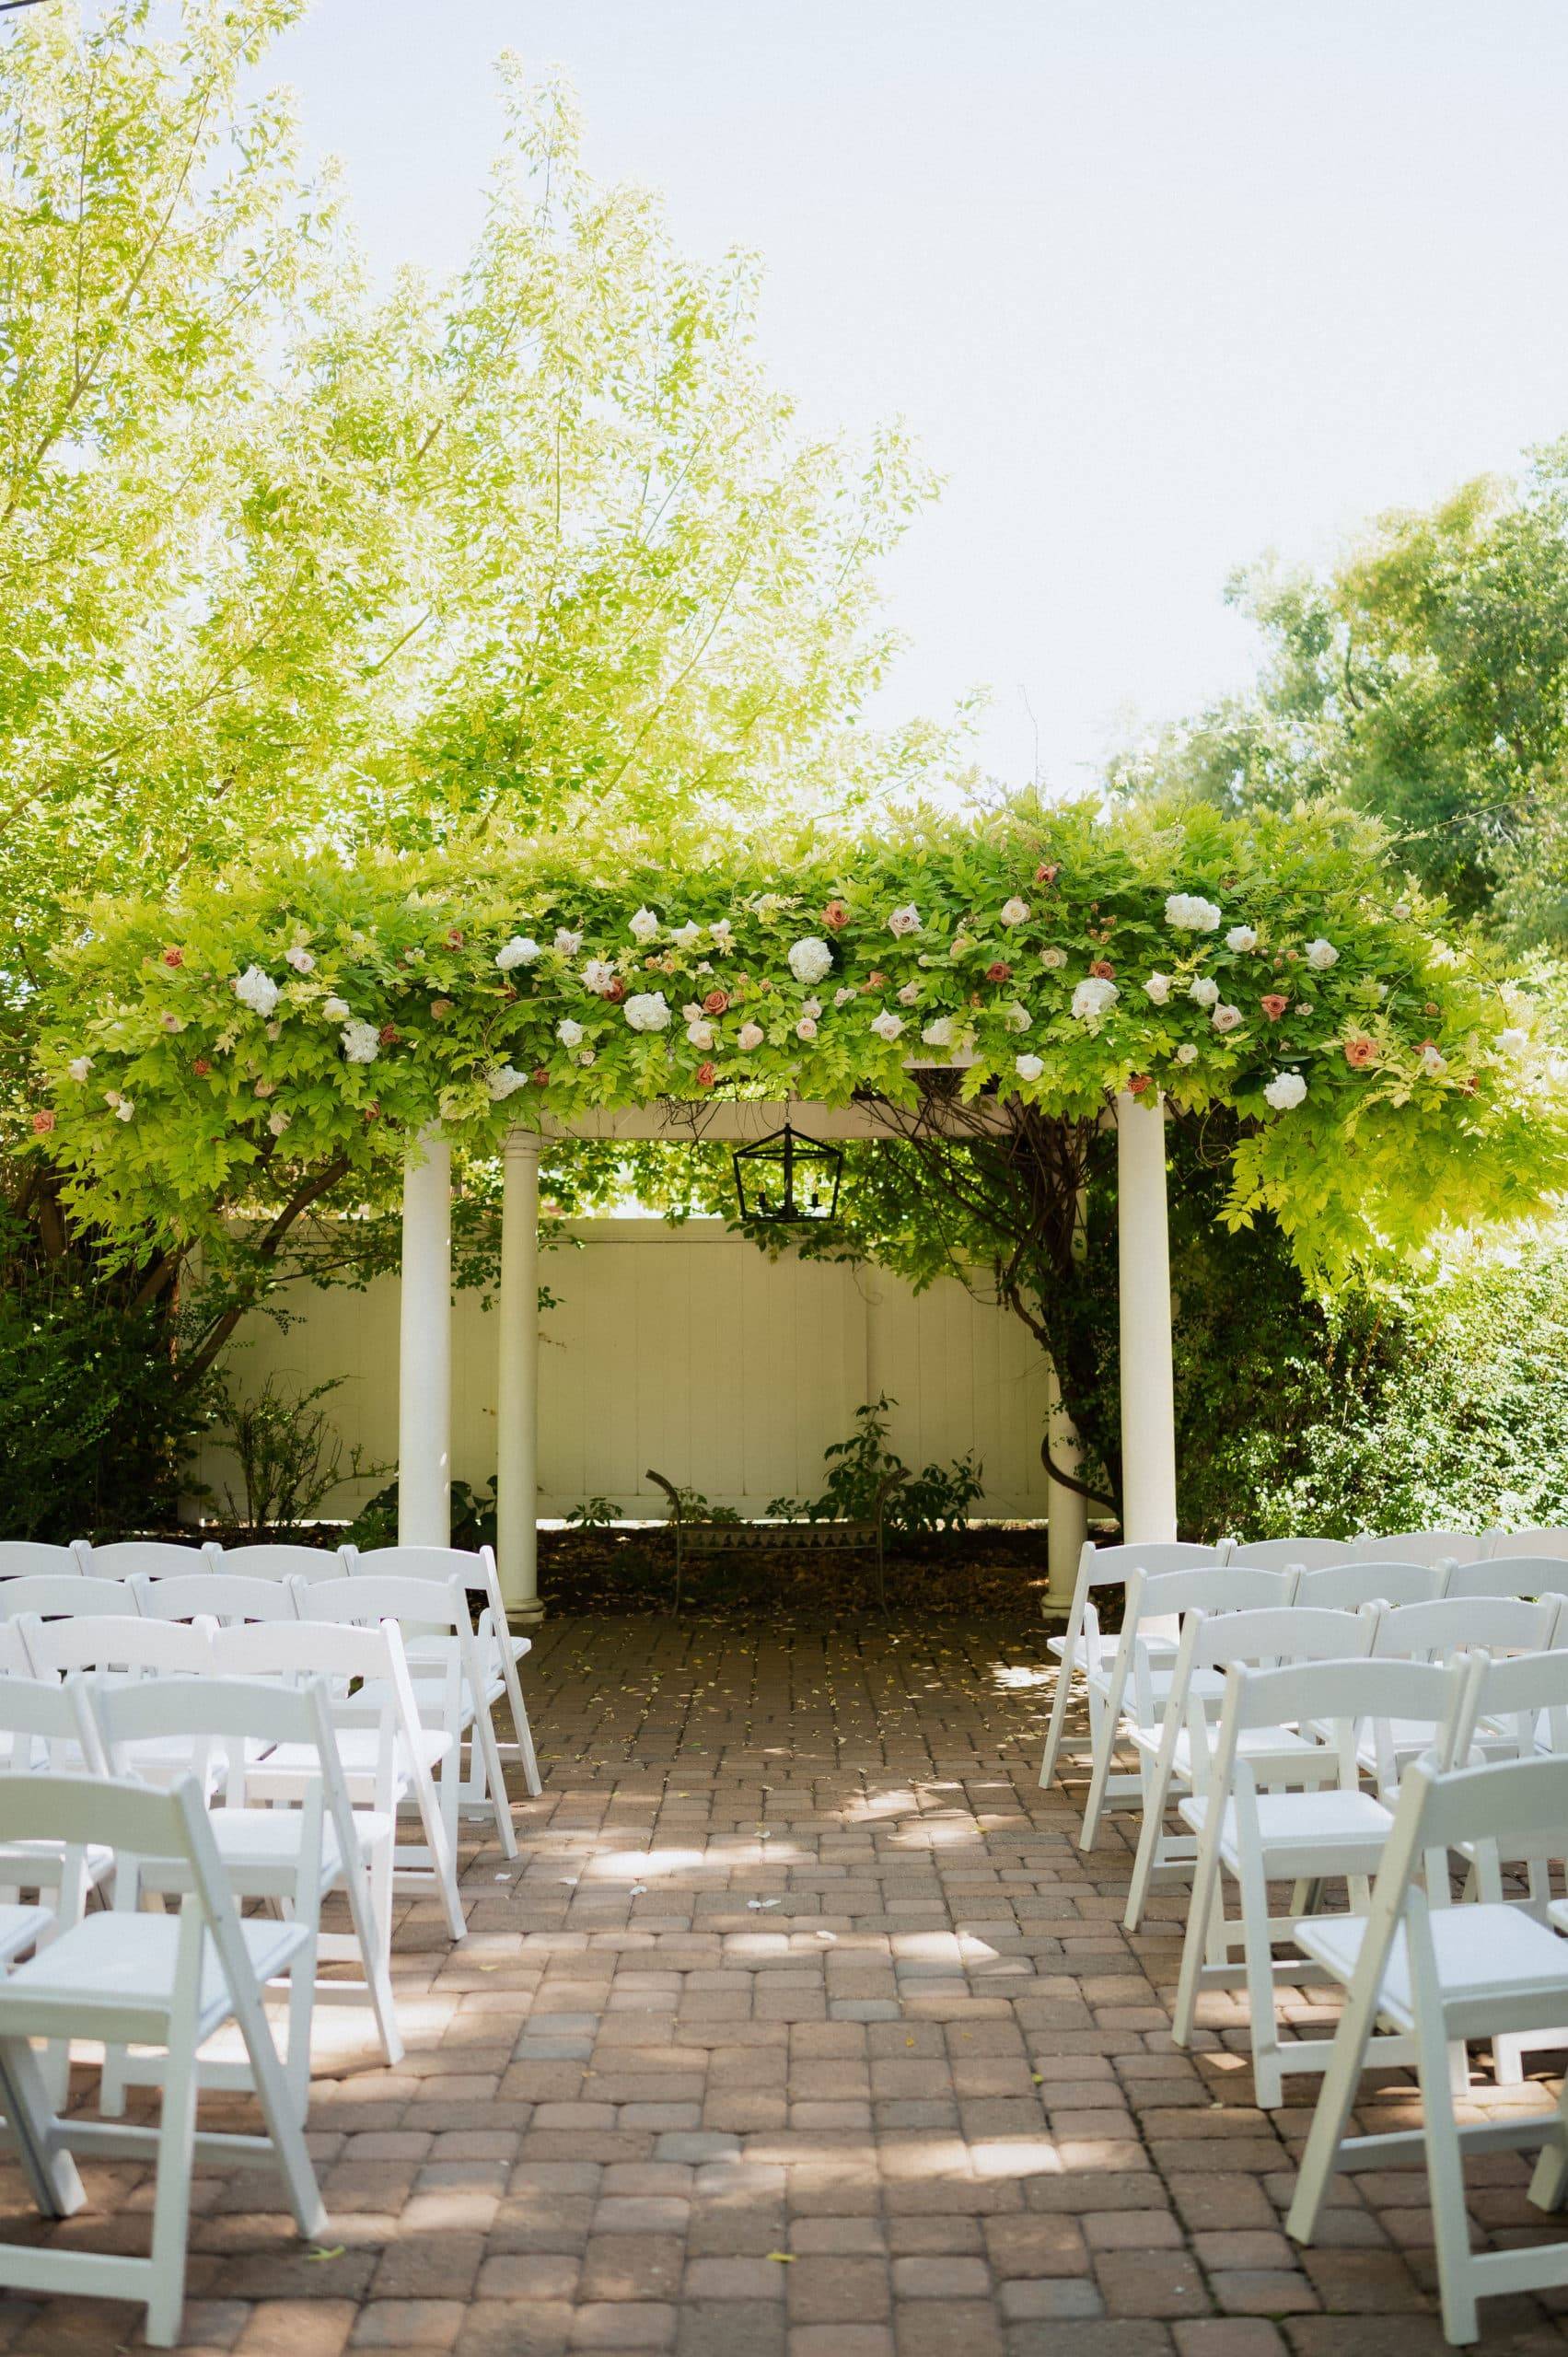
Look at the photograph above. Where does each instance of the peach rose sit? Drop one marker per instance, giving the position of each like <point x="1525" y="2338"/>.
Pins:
<point x="706" y="1075"/>
<point x="172" y="957"/>
<point x="836" y="915"/>
<point x="1274" y="1005"/>
<point x="1102" y="968"/>
<point x="715" y="1002"/>
<point x="42" y="1125"/>
<point x="1359" y="1051"/>
<point x="999" y="971"/>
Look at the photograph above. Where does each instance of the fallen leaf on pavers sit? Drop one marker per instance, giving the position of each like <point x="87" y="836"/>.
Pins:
<point x="315" y="2258"/>
<point x="1038" y="2078"/>
<point x="759" y="1905"/>
<point x="782" y="2257"/>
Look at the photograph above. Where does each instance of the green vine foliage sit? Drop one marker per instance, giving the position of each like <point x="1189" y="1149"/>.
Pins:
<point x="210" y="1051"/>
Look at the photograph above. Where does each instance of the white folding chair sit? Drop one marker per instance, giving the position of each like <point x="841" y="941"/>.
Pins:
<point x="1138" y="1674"/>
<point x="1177" y="1755"/>
<point x="34" y="1559"/>
<point x="1289" y="1554"/>
<point x="449" y="1684"/>
<point x="284" y="1855"/>
<point x="388" y="1757"/>
<point x="1439" y="1975"/>
<point x="277" y="1563"/>
<point x="40" y="1733"/>
<point x="1344" y="1587"/>
<point x="154" y="1559"/>
<point x="59" y="1595"/>
<point x="126" y="1650"/>
<point x="1527" y="1575"/>
<point x="1504" y="1624"/>
<point x="499" y="1650"/>
<point x="1304" y="1838"/>
<point x="1107" y="1567"/>
<point x="1432" y="1547"/>
<point x="1544" y="1539"/>
<point x="220" y="1597"/>
<point x="167" y="1980"/>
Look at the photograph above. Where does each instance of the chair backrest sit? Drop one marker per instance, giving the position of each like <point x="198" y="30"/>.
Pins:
<point x="1544" y="1539"/>
<point x="1279" y="1633"/>
<point x="1504" y="1804"/>
<point x="1156" y="1603"/>
<point x="52" y="1595"/>
<point x="136" y="1648"/>
<point x="424" y="1603"/>
<point x="15" y="1659"/>
<point x="1113" y="1566"/>
<point x="444" y="1564"/>
<point x="1341" y="1696"/>
<point x="279" y="1562"/>
<point x="214" y="1715"/>
<point x="1504" y="1624"/>
<point x="39" y="1728"/>
<point x="215" y="1595"/>
<point x="154" y="1559"/>
<point x="1343" y="1587"/>
<point x="1420" y="1547"/>
<point x="1510" y="1576"/>
<point x="340" y="1655"/>
<point x="34" y="1558"/>
<point x="1522" y="1701"/>
<point x="1290" y="1554"/>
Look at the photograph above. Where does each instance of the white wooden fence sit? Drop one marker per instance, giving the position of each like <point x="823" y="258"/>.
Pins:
<point x="688" y="1350"/>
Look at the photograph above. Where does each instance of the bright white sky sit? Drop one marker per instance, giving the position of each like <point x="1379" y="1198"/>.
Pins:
<point x="1160" y="284"/>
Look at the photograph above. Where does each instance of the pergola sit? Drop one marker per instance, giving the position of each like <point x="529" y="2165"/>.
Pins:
<point x="424" y="1466"/>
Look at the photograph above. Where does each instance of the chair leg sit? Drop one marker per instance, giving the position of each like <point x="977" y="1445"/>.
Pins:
<point x="519" y="1717"/>
<point x="1549" y="2186"/>
<point x="1445" y="2181"/>
<point x="1205" y="1891"/>
<point x="1335" y="2099"/>
<point x="277" y="2109"/>
<point x="369" y="1905"/>
<point x="1063" y="1683"/>
<point x="1258" y="1959"/>
<point x="1103" y="1723"/>
<point x="487" y="1756"/>
<point x="1150" y="1832"/>
<point x="171" y="2198"/>
<point x="51" y="2173"/>
<point x="443" y="1850"/>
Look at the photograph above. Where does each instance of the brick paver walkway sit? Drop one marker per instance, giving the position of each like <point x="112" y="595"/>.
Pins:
<point x="799" y="2029"/>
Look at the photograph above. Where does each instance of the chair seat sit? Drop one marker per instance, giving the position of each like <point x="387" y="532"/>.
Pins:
<point x="1261" y="1746"/>
<point x="1496" y="1959"/>
<point x="21" y="1927"/>
<point x="358" y="1749"/>
<point x="115" y="1964"/>
<point x="1302" y="1832"/>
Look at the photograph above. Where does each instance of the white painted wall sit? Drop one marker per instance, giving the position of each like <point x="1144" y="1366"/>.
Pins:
<point x="688" y="1350"/>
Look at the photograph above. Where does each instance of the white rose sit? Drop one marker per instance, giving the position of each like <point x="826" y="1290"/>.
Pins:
<point x="811" y="1007"/>
<point x="904" y="919"/>
<point x="1286" y="1089"/>
<point x="842" y="997"/>
<point x="300" y="960"/>
<point x="598" y="976"/>
<point x="1158" y="988"/>
<point x="647" y="1012"/>
<point x="585" y="1055"/>
<point x="1401" y="909"/>
<point x="1053" y="958"/>
<point x="172" y="1023"/>
<point x="1433" y="1061"/>
<point x="360" y="1042"/>
<point x="1513" y="1042"/>
<point x="518" y="951"/>
<point x="275" y="1030"/>
<point x="278" y="1122"/>
<point x="256" y="990"/>
<point x="806" y="1027"/>
<point x="111" y="1097"/>
<point x="939" y="1034"/>
<point x="910" y="994"/>
<point x="700" y="1031"/>
<point x="79" y="1067"/>
<point x="1015" y="911"/>
<point x="643" y="925"/>
<point x="723" y="933"/>
<point x="1321" y="955"/>
<point x="1241" y="937"/>
<point x="1018" y="1017"/>
<point x="567" y="943"/>
<point x="504" y="1082"/>
<point x="1028" y="1067"/>
<point x="887" y="1025"/>
<point x="686" y="936"/>
<point x="569" y="1032"/>
<point x="810" y="959"/>
<point x="1225" y="1019"/>
<point x="1204" y="988"/>
<point x="124" y="1110"/>
<point x="336" y="1010"/>
<point x="1093" y="998"/>
<point x="1190" y="912"/>
<point x="750" y="1036"/>
<point x="1187" y="1053"/>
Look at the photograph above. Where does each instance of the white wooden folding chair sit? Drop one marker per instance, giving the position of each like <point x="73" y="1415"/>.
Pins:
<point x="1344" y="1587"/>
<point x="222" y="1597"/>
<point x="35" y="1558"/>
<point x="52" y="1596"/>
<point x="1541" y="1539"/>
<point x="1439" y="1975"/>
<point x="125" y="1649"/>
<point x="154" y="1559"/>
<point x="1288" y="1554"/>
<point x="388" y="1756"/>
<point x="1449" y="1625"/>
<point x="284" y="1855"/>
<point x="1504" y="1575"/>
<point x="277" y="1562"/>
<point x="1434" y="1546"/>
<point x="1132" y="1687"/>
<point x="167" y="1980"/>
<point x="449" y="1684"/>
<point x="1176" y="1756"/>
<point x="499" y="1650"/>
<point x="1106" y="1567"/>
<point x="1301" y="1838"/>
<point x="40" y="1733"/>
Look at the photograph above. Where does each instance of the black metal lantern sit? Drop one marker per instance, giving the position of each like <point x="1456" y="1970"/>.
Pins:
<point x="786" y="1178"/>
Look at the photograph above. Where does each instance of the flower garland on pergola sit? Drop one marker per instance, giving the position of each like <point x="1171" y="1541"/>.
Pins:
<point x="206" y="1047"/>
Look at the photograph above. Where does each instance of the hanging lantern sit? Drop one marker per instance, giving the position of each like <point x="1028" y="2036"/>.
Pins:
<point x="786" y="1180"/>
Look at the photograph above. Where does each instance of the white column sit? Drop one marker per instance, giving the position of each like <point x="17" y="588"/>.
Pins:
<point x="517" y="1386"/>
<point x="425" y="1348"/>
<point x="1069" y="1524"/>
<point x="1148" y="1408"/>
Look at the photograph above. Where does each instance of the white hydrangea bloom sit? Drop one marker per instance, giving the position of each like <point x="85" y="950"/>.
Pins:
<point x="1190" y="912"/>
<point x="1094" y="998"/>
<point x="504" y="1082"/>
<point x="1284" y="1091"/>
<point x="887" y="1025"/>
<point x="569" y="1032"/>
<point x="810" y="959"/>
<point x="646" y="1011"/>
<point x="643" y="925"/>
<point x="1028" y="1067"/>
<point x="1241" y="937"/>
<point x="1321" y="955"/>
<point x="1158" y="988"/>
<point x="361" y="1045"/>
<point x="1204" y="990"/>
<point x="520" y="951"/>
<point x="256" y="990"/>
